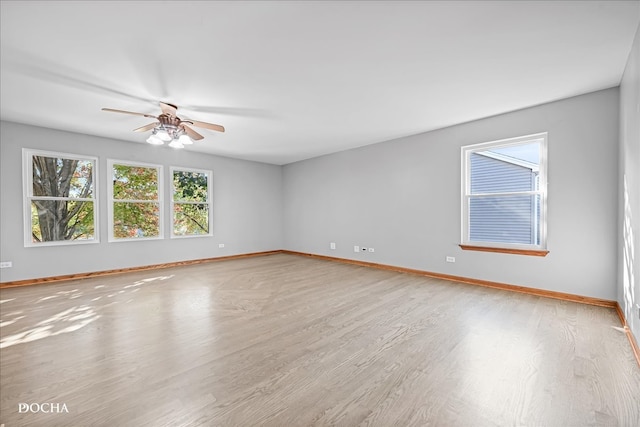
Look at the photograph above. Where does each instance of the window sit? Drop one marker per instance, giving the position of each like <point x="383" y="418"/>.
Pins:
<point x="135" y="208"/>
<point x="504" y="195"/>
<point x="191" y="202"/>
<point x="60" y="198"/>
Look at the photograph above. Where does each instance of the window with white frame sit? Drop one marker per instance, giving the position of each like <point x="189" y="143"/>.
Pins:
<point x="135" y="201"/>
<point x="190" y="202"/>
<point x="60" y="204"/>
<point x="504" y="194"/>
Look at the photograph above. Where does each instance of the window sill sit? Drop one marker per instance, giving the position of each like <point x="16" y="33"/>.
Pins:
<point x="530" y="252"/>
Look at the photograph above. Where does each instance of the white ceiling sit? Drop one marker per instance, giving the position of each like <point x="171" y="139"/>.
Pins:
<point x="293" y="80"/>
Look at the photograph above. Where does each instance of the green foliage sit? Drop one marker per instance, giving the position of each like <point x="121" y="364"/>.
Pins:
<point x="135" y="220"/>
<point x="64" y="217"/>
<point x="190" y="219"/>
<point x="135" y="183"/>
<point x="190" y="186"/>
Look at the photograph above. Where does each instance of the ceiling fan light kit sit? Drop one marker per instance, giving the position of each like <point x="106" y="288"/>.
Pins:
<point x="175" y="136"/>
<point x="170" y="128"/>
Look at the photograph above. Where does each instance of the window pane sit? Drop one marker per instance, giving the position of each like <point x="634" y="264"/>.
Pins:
<point x="134" y="220"/>
<point x="505" y="169"/>
<point x="190" y="219"/>
<point x="190" y="186"/>
<point x="135" y="183"/>
<point x="505" y="219"/>
<point x="56" y="220"/>
<point x="59" y="177"/>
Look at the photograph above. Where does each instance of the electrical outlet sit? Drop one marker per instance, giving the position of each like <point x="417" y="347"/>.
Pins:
<point x="356" y="249"/>
<point x="371" y="250"/>
<point x="6" y="264"/>
<point x="221" y="245"/>
<point x="451" y="259"/>
<point x="332" y="245"/>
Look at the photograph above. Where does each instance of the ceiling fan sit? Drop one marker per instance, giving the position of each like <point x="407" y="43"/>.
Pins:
<point x="169" y="127"/>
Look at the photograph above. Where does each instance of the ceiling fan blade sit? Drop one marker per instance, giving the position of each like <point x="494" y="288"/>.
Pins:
<point x="206" y="125"/>
<point x="192" y="133"/>
<point x="170" y="109"/>
<point x="129" y="112"/>
<point x="147" y="127"/>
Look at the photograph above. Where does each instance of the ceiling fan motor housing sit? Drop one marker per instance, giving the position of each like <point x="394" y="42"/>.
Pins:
<point x="169" y="120"/>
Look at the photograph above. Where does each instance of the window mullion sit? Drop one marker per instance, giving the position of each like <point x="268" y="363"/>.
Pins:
<point x="507" y="193"/>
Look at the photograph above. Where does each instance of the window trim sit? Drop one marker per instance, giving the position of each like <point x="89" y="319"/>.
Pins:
<point x="27" y="185"/>
<point x="512" y="248"/>
<point x="209" y="202"/>
<point x="160" y="201"/>
<point x="532" y="252"/>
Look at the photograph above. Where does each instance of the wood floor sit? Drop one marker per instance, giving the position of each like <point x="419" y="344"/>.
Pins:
<point x="284" y="340"/>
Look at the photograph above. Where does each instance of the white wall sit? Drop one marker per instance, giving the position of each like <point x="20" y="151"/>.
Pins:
<point x="402" y="197"/>
<point x="629" y="191"/>
<point x="247" y="207"/>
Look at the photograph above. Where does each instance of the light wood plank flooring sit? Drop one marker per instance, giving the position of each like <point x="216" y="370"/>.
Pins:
<point x="284" y="340"/>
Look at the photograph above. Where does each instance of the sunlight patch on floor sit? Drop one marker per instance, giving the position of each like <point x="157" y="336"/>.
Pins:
<point x="69" y="320"/>
<point x="10" y="322"/>
<point x="64" y="322"/>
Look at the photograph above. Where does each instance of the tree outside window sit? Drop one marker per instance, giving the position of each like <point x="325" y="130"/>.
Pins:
<point x="60" y="202"/>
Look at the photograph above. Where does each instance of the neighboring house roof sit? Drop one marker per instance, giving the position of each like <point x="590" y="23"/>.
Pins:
<point x="519" y="162"/>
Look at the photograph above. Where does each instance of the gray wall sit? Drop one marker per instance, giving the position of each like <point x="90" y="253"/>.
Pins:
<point x="402" y="198"/>
<point x="247" y="207"/>
<point x="629" y="207"/>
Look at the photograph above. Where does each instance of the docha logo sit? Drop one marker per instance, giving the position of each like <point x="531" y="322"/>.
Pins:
<point x="47" y="408"/>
